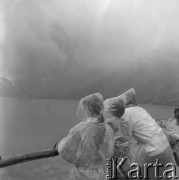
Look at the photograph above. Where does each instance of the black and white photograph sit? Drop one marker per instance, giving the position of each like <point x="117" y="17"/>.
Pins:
<point x="89" y="89"/>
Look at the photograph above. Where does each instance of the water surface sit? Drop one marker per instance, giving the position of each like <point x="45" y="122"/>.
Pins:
<point x="34" y="124"/>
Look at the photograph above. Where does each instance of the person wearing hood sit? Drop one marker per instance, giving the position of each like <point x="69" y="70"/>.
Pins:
<point x="134" y="122"/>
<point x="88" y="143"/>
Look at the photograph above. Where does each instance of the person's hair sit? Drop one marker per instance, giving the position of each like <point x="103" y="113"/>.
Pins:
<point x="118" y="109"/>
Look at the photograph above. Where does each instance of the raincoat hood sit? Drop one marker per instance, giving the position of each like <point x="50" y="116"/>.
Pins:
<point x="90" y="106"/>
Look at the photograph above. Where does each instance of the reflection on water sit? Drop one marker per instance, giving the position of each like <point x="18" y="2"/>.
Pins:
<point x="35" y="124"/>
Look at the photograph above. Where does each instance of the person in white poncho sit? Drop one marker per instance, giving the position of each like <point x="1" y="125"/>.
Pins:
<point x="136" y="123"/>
<point x="89" y="143"/>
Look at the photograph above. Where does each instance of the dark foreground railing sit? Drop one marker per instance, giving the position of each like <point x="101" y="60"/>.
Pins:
<point x="9" y="161"/>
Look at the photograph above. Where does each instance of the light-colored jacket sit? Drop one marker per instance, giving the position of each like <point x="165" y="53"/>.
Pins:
<point x="146" y="131"/>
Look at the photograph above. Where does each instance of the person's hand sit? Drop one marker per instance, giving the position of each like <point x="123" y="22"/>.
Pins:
<point x="130" y="98"/>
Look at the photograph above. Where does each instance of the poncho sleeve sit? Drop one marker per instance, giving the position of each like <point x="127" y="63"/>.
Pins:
<point x="68" y="146"/>
<point x="130" y="96"/>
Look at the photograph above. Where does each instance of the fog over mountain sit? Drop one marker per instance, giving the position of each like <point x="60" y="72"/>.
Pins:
<point x="68" y="49"/>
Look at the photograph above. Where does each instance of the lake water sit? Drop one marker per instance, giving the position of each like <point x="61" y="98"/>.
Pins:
<point x="35" y="124"/>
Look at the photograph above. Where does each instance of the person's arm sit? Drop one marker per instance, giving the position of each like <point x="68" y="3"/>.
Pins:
<point x="67" y="147"/>
<point x="129" y="97"/>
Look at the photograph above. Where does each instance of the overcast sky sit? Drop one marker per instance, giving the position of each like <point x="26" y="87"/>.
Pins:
<point x="95" y="33"/>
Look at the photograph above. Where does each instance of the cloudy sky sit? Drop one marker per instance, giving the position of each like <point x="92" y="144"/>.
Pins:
<point x="41" y="36"/>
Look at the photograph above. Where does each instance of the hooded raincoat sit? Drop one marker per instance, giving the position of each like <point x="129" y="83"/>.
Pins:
<point x="89" y="143"/>
<point x="137" y="124"/>
<point x="125" y="145"/>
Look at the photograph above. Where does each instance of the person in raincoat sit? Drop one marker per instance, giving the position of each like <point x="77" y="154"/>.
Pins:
<point x="176" y="148"/>
<point x="136" y="123"/>
<point x="125" y="145"/>
<point x="176" y="114"/>
<point x="88" y="143"/>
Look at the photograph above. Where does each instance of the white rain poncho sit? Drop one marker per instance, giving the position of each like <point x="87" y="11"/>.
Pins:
<point x="126" y="99"/>
<point x="89" y="143"/>
<point x="136" y="125"/>
<point x="125" y="145"/>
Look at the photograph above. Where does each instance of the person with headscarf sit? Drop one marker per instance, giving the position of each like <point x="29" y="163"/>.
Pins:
<point x="135" y="122"/>
<point x="88" y="143"/>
